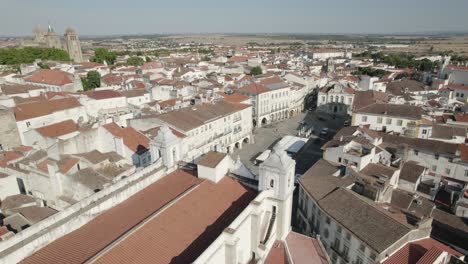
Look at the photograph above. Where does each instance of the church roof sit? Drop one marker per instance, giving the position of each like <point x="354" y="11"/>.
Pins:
<point x="177" y="234"/>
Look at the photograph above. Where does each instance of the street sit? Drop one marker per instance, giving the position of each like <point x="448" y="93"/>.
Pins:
<point x="267" y="136"/>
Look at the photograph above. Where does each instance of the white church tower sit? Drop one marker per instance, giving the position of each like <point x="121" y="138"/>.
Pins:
<point x="166" y="146"/>
<point x="277" y="174"/>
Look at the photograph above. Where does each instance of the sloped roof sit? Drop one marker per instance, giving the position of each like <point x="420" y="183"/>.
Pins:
<point x="41" y="108"/>
<point x="393" y="110"/>
<point x="58" y="129"/>
<point x="87" y="241"/>
<point x="188" y="118"/>
<point x="133" y="139"/>
<point x="53" y="77"/>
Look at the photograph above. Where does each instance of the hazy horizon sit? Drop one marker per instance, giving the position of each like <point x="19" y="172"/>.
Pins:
<point x="140" y="17"/>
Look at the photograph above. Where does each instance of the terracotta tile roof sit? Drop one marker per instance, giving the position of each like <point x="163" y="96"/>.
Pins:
<point x="7" y="156"/>
<point x="411" y="171"/>
<point x="463" y="152"/>
<point x="234" y="98"/>
<point x="188" y="118"/>
<point x="151" y="65"/>
<point x="53" y="77"/>
<point x="365" y="98"/>
<point x="134" y="93"/>
<point x="277" y="254"/>
<point x="42" y="108"/>
<point x="87" y="241"/>
<point x="102" y="94"/>
<point x="253" y="88"/>
<point x="183" y="231"/>
<point x="393" y="110"/>
<point x="42" y="166"/>
<point x="420" y="252"/>
<point x="66" y="163"/>
<point x="133" y="139"/>
<point x="304" y="249"/>
<point x="112" y="79"/>
<point x="58" y="129"/>
<point x="211" y="159"/>
<point x="153" y="132"/>
<point x="13" y="88"/>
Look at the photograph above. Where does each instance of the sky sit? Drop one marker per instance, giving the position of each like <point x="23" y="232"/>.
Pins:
<point x="114" y="17"/>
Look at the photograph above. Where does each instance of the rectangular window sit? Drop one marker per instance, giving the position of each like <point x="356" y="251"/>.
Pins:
<point x="379" y="120"/>
<point x="364" y="119"/>
<point x="28" y="124"/>
<point x="358" y="260"/>
<point x="447" y="171"/>
<point x="466" y="173"/>
<point x="399" y="122"/>
<point x="362" y="248"/>
<point x="434" y="168"/>
<point x="389" y="121"/>
<point x="348" y="236"/>
<point x="416" y="152"/>
<point x="436" y="156"/>
<point x="328" y="220"/>
<point x="424" y="131"/>
<point x="450" y="159"/>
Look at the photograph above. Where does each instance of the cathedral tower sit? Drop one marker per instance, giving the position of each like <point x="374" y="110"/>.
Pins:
<point x="72" y="45"/>
<point x="52" y="39"/>
<point x="39" y="34"/>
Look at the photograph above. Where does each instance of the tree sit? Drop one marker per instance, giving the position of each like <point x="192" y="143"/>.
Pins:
<point x="426" y="65"/>
<point x="43" y="65"/>
<point x="103" y="54"/>
<point x="256" y="71"/>
<point x="135" y="61"/>
<point x="91" y="81"/>
<point x="30" y="54"/>
<point x="147" y="59"/>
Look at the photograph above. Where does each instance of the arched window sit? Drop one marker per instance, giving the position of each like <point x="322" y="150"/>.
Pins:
<point x="272" y="183"/>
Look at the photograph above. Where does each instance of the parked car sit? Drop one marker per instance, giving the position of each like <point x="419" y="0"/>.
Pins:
<point x="324" y="131"/>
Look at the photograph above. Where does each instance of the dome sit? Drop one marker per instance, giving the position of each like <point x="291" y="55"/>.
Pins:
<point x="70" y="31"/>
<point x="39" y="29"/>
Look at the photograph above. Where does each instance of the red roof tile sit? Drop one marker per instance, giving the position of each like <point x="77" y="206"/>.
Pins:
<point x="112" y="79"/>
<point x="53" y="77"/>
<point x="58" y="129"/>
<point x="7" y="156"/>
<point x="304" y="249"/>
<point x="253" y="88"/>
<point x="234" y="98"/>
<point x="421" y="250"/>
<point x="85" y="242"/>
<point x="133" y="139"/>
<point x="277" y="254"/>
<point x="183" y="231"/>
<point x="102" y="94"/>
<point x="42" y="108"/>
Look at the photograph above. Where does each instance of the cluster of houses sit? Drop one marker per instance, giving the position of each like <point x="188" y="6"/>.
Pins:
<point x="393" y="180"/>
